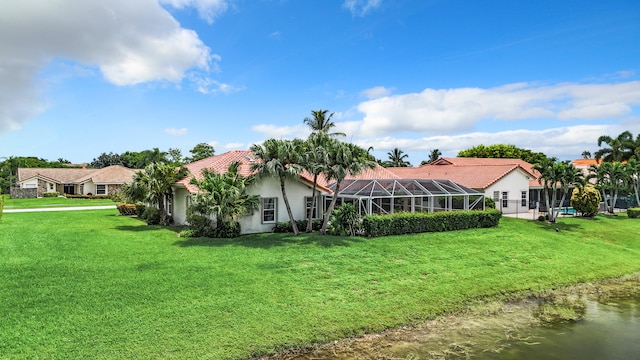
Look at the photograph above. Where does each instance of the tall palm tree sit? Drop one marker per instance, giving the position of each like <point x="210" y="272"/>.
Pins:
<point x="343" y="159"/>
<point x="633" y="170"/>
<point x="155" y="182"/>
<point x="620" y="149"/>
<point x="320" y="123"/>
<point x="225" y="195"/>
<point x="280" y="158"/>
<point x="586" y="154"/>
<point x="314" y="159"/>
<point x="570" y="176"/>
<point x="397" y="158"/>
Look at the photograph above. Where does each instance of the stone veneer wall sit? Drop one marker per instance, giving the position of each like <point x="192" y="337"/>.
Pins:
<point x="19" y="193"/>
<point x="112" y="189"/>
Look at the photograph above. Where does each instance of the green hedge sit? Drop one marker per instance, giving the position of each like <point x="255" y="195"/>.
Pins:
<point x="127" y="209"/>
<point x="633" y="213"/>
<point x="50" y="194"/>
<point x="412" y="223"/>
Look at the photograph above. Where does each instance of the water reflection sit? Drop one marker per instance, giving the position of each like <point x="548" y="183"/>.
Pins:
<point x="608" y="328"/>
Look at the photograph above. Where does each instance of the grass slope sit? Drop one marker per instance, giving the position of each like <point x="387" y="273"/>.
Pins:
<point x="94" y="284"/>
<point x="52" y="202"/>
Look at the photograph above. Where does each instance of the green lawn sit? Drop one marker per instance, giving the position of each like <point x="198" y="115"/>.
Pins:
<point x="52" y="202"/>
<point x="93" y="284"/>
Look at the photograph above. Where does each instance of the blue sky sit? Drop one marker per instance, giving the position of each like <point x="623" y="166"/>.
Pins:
<point x="81" y="78"/>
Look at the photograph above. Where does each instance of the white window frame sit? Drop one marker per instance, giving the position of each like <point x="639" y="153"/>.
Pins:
<point x="169" y="205"/>
<point x="496" y="196"/>
<point x="98" y="191"/>
<point x="307" y="205"/>
<point x="524" y="197"/>
<point x="269" y="206"/>
<point x="505" y="199"/>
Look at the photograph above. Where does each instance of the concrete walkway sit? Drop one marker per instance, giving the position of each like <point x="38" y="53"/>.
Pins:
<point x="69" y="208"/>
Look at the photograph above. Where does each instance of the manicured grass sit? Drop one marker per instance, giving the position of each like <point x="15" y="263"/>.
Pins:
<point x="96" y="285"/>
<point x="52" y="202"/>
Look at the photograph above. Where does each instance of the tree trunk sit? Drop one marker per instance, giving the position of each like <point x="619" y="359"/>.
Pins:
<point x="325" y="221"/>
<point x="161" y="210"/>
<point x="552" y="216"/>
<point x="296" y="232"/>
<point x="313" y="204"/>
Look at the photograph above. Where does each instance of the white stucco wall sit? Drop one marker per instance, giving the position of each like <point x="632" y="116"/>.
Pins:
<point x="31" y="183"/>
<point x="514" y="183"/>
<point x="265" y="188"/>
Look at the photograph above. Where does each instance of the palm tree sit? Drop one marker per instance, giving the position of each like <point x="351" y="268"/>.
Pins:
<point x="434" y="155"/>
<point x="225" y="195"/>
<point x="620" y="149"/>
<point x="314" y="159"/>
<point x="550" y="175"/>
<point x="155" y="182"/>
<point x="343" y="159"/>
<point x="320" y="123"/>
<point x="610" y="179"/>
<point x="280" y="158"/>
<point x="570" y="177"/>
<point x="397" y="158"/>
<point x="633" y="170"/>
<point x="586" y="154"/>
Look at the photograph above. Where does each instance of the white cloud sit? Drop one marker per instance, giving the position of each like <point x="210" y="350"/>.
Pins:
<point x="361" y="7"/>
<point x="236" y="145"/>
<point x="176" y="132"/>
<point x="207" y="9"/>
<point x="567" y="142"/>
<point x="207" y="85"/>
<point x="377" y="92"/>
<point x="131" y="42"/>
<point x="450" y="111"/>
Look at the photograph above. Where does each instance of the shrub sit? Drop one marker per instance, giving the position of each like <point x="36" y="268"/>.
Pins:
<point x="633" y="213"/>
<point x="140" y="208"/>
<point x="151" y="215"/>
<point x="489" y="203"/>
<point x="50" y="194"/>
<point x="188" y="233"/>
<point x="200" y="225"/>
<point x="127" y="209"/>
<point x="228" y="230"/>
<point x="411" y="223"/>
<point x="542" y="218"/>
<point x="345" y="220"/>
<point x="586" y="200"/>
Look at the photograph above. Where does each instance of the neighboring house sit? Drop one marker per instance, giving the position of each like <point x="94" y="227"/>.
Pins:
<point x="511" y="183"/>
<point x="376" y="190"/>
<point x="74" y="181"/>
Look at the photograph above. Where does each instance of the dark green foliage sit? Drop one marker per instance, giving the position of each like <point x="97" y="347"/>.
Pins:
<point x="633" y="213"/>
<point x="229" y="229"/>
<point x="489" y="203"/>
<point x="542" y="218"/>
<point x="285" y="227"/>
<point x="502" y="151"/>
<point x="127" y="209"/>
<point x="412" y="223"/>
<point x="140" y="208"/>
<point x="1" y="205"/>
<point x="51" y="194"/>
<point x="151" y="215"/>
<point x="200" y="225"/>
<point x="345" y="221"/>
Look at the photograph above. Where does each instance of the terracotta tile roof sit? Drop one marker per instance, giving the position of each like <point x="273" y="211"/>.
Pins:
<point x="115" y="174"/>
<point x="220" y="164"/>
<point x="476" y="173"/>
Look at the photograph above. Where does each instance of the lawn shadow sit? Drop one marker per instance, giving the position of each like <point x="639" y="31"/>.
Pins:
<point x="269" y="240"/>
<point x="560" y="225"/>
<point x="145" y="227"/>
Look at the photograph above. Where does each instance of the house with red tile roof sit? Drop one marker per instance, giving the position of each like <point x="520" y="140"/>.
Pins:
<point x="394" y="194"/>
<point x="512" y="183"/>
<point x="76" y="181"/>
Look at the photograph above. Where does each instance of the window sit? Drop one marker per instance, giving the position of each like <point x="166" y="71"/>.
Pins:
<point x="308" y="200"/>
<point x="50" y="186"/>
<point x="505" y="199"/>
<point x="269" y="207"/>
<point x="101" y="189"/>
<point x="30" y="186"/>
<point x="169" y="204"/>
<point x="523" y="196"/>
<point x="496" y="196"/>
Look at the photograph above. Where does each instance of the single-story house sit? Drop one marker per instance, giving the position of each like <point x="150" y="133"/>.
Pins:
<point x="511" y="183"/>
<point x="75" y="181"/>
<point x="377" y="190"/>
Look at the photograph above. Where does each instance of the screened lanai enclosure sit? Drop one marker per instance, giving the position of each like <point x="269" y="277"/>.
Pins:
<point x="389" y="196"/>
